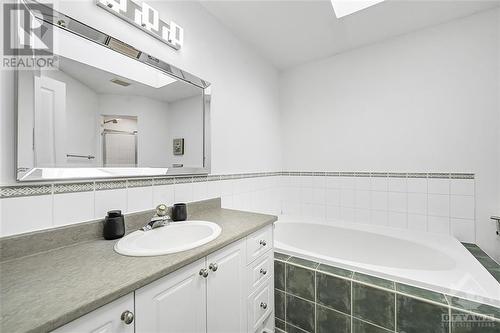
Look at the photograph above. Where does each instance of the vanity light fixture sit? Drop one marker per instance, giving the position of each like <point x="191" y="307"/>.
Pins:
<point x="146" y="18"/>
<point x="346" y="7"/>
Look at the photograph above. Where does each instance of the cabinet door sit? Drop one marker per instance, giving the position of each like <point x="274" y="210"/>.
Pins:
<point x="106" y="319"/>
<point x="173" y="304"/>
<point x="226" y="290"/>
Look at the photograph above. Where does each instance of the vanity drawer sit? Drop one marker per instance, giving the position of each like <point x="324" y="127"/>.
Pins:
<point x="259" y="243"/>
<point x="260" y="305"/>
<point x="259" y="271"/>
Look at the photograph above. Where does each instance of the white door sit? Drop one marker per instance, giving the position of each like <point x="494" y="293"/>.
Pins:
<point x="227" y="290"/>
<point x="50" y="122"/>
<point x="173" y="304"/>
<point x="106" y="319"/>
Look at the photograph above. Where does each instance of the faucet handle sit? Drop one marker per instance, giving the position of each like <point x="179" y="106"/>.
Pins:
<point x="161" y="210"/>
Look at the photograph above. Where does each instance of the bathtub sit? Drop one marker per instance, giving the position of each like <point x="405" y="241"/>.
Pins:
<point x="430" y="261"/>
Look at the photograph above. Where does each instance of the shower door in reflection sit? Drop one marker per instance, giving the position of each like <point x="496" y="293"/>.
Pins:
<point x="119" y="141"/>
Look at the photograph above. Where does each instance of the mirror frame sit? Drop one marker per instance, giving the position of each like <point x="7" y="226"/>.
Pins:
<point x="57" y="20"/>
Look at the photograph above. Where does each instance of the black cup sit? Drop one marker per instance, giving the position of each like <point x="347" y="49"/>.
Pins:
<point x="114" y="225"/>
<point x="179" y="212"/>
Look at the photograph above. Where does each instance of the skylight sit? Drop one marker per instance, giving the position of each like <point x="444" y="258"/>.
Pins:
<point x="346" y="7"/>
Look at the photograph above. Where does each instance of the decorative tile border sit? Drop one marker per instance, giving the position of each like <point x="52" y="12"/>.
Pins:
<point x="22" y="190"/>
<point x="310" y="296"/>
<point x="491" y="265"/>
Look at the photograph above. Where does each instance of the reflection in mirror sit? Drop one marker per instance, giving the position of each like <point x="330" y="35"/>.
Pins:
<point x="83" y="116"/>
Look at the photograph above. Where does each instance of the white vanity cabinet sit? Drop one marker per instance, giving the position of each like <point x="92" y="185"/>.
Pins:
<point x="115" y="317"/>
<point x="229" y="291"/>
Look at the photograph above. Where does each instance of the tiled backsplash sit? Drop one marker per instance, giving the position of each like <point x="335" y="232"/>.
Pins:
<point x="436" y="202"/>
<point x="312" y="298"/>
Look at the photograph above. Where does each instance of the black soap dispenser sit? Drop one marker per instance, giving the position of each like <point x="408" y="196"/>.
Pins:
<point x="114" y="225"/>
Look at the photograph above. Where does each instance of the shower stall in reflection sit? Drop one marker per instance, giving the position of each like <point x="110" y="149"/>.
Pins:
<point x="119" y="141"/>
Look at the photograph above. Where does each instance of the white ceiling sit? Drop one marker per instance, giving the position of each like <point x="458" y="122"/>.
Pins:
<point x="293" y="32"/>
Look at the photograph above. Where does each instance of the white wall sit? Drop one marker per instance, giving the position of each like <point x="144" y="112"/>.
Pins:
<point x="426" y="101"/>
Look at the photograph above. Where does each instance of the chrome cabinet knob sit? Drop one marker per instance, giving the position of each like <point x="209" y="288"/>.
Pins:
<point x="127" y="317"/>
<point x="263" y="242"/>
<point x="263" y="305"/>
<point x="213" y="267"/>
<point x="263" y="271"/>
<point x="204" y="272"/>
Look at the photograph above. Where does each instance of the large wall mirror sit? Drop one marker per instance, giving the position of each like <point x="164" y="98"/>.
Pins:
<point x="108" y="110"/>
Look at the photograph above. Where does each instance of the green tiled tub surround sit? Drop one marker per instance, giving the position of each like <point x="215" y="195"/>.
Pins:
<point x="316" y="298"/>
<point x="491" y="265"/>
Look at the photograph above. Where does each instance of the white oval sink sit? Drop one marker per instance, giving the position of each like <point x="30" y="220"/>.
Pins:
<point x="175" y="237"/>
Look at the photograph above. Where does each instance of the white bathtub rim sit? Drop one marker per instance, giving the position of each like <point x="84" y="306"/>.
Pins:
<point x="337" y="262"/>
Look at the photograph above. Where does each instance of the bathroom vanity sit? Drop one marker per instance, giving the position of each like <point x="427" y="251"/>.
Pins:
<point x="225" y="285"/>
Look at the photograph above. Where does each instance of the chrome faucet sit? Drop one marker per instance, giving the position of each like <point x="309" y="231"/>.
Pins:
<point x="160" y="219"/>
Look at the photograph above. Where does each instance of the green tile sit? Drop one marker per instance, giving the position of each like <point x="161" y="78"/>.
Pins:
<point x="374" y="305"/>
<point x="281" y="256"/>
<point x="462" y="322"/>
<point x="335" y="270"/>
<point x="303" y="262"/>
<point x="422" y="293"/>
<point x="279" y="304"/>
<point x="333" y="292"/>
<point x="300" y="281"/>
<point x="277" y="330"/>
<point x="488" y="263"/>
<point x="475" y="307"/>
<point x="416" y="316"/>
<point x="280" y="324"/>
<point x="328" y="321"/>
<point x="279" y="275"/>
<point x="359" y="326"/>
<point x="294" y="329"/>
<point x="376" y="281"/>
<point x="300" y="313"/>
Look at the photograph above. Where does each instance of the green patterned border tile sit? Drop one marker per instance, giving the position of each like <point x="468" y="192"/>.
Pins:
<point x="212" y="178"/>
<point x="73" y="187"/>
<point x="421" y="293"/>
<point x="417" y="175"/>
<point x="347" y="174"/>
<point x="439" y="175"/>
<point x="373" y="280"/>
<point x="139" y="182"/>
<point x="397" y="175"/>
<point x="379" y="174"/>
<point x="183" y="180"/>
<point x="362" y="174"/>
<point x="163" y="181"/>
<point x="24" y="191"/>
<point x="110" y="185"/>
<point x="333" y="174"/>
<point x="200" y="179"/>
<point x="462" y="176"/>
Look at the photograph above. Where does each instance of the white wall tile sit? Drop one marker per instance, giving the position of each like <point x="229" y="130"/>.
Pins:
<point x="438" y="205"/>
<point x="107" y="200"/>
<point x="363" y="183"/>
<point x="438" y="186"/>
<point x="379" y="217"/>
<point x="227" y="202"/>
<point x="347" y="198"/>
<point x="379" y="200"/>
<point x="200" y="191"/>
<point x="25" y="214"/>
<point x="438" y="224"/>
<point x="462" y="206"/>
<point x="463" y="230"/>
<point x="306" y="195"/>
<point x="319" y="196"/>
<point x="332" y="213"/>
<point x="417" y="185"/>
<point x="314" y="211"/>
<point x="213" y="189"/>
<point x="72" y="208"/>
<point x="462" y="186"/>
<point x="397" y="220"/>
<point x="362" y="216"/>
<point x="183" y="192"/>
<point x="333" y="182"/>
<point x="379" y="184"/>
<point x="348" y="183"/>
<point x="290" y="208"/>
<point x="163" y="194"/>
<point x="319" y="181"/>
<point x="417" y="203"/>
<point x="363" y="199"/>
<point x="332" y="197"/>
<point x="417" y="222"/>
<point x="397" y="202"/>
<point x="226" y="187"/>
<point x="347" y="214"/>
<point x="139" y="198"/>
<point x="397" y="184"/>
